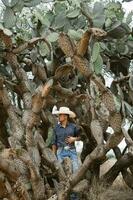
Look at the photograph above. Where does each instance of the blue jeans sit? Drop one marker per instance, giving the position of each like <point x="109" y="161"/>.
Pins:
<point x="72" y="154"/>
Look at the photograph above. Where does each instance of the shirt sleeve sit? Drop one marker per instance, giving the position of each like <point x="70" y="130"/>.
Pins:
<point x="54" y="138"/>
<point x="76" y="131"/>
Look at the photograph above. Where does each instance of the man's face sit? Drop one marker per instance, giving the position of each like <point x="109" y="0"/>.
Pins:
<point x="63" y="117"/>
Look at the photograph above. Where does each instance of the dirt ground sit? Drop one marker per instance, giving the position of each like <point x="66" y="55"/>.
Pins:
<point x="118" y="191"/>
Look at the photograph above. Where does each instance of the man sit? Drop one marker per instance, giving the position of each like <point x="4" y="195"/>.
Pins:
<point x="65" y="134"/>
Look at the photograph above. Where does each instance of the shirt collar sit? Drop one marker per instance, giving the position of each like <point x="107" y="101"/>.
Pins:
<point x="61" y="125"/>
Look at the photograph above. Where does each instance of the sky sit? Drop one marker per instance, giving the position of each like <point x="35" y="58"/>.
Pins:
<point x="128" y="6"/>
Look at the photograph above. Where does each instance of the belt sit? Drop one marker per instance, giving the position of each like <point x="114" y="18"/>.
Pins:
<point x="66" y="147"/>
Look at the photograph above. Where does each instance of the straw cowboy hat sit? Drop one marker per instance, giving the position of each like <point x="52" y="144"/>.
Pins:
<point x="63" y="110"/>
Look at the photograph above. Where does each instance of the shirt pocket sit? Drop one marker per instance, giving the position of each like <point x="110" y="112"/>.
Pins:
<point x="70" y="132"/>
<point x="60" y="136"/>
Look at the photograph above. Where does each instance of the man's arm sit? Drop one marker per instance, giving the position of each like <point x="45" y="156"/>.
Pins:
<point x="76" y="137"/>
<point x="71" y="139"/>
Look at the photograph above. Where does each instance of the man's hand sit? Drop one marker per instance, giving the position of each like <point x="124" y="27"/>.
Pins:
<point x="70" y="140"/>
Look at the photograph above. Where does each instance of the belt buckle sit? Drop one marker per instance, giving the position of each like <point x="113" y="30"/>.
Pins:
<point x="66" y="147"/>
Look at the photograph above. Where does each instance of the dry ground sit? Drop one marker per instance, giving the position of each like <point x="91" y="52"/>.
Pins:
<point x="118" y="191"/>
<point x="98" y="192"/>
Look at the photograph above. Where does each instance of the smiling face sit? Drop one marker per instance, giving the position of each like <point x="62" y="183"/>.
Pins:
<point x="63" y="118"/>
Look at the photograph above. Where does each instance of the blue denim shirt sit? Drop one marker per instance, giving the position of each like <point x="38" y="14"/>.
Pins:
<point x="60" y="134"/>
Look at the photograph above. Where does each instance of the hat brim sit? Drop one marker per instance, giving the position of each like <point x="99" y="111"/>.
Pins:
<point x="70" y="113"/>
